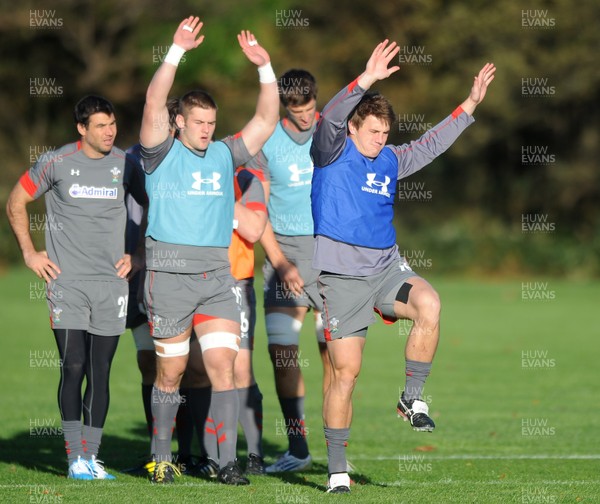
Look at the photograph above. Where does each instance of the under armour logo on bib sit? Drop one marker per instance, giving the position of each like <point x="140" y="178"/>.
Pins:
<point x="197" y="185"/>
<point x="296" y="172"/>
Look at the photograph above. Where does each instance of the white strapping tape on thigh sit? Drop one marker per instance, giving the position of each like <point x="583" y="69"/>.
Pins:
<point x="219" y="340"/>
<point x="172" y="349"/>
<point x="282" y="329"/>
<point x="319" y="329"/>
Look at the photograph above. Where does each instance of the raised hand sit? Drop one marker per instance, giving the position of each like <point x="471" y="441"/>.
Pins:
<point x="251" y="48"/>
<point x="377" y="66"/>
<point x="481" y="83"/>
<point x="187" y="32"/>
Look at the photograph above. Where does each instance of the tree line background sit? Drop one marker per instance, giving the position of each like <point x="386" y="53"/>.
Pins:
<point x="519" y="193"/>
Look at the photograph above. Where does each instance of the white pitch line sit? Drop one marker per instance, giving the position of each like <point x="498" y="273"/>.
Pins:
<point x="525" y="484"/>
<point x="424" y="456"/>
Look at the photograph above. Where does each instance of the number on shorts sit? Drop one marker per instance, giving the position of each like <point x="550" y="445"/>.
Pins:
<point x="244" y="324"/>
<point x="122" y="302"/>
<point x="404" y="265"/>
<point x="237" y="291"/>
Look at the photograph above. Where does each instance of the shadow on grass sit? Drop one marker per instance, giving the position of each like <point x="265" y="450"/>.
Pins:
<point x="45" y="453"/>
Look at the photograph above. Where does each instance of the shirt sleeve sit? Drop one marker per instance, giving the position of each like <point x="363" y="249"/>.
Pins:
<point x="39" y="179"/>
<point x="259" y="166"/>
<point x="419" y="153"/>
<point x="253" y="196"/>
<point x="329" y="138"/>
<point x="151" y="157"/>
<point x="135" y="180"/>
<point x="238" y="149"/>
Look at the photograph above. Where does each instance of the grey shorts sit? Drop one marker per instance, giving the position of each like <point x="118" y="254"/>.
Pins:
<point x="245" y="289"/>
<point x="349" y="302"/>
<point x="98" y="307"/>
<point x="142" y="338"/>
<point x="173" y="299"/>
<point x="278" y="295"/>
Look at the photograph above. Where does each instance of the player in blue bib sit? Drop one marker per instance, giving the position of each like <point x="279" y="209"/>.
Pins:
<point x="354" y="184"/>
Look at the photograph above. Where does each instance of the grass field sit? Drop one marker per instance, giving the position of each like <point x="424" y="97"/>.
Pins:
<point x="514" y="392"/>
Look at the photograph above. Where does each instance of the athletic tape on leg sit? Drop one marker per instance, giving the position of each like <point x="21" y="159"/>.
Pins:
<point x="219" y="340"/>
<point x="172" y="349"/>
<point x="403" y="292"/>
<point x="282" y="329"/>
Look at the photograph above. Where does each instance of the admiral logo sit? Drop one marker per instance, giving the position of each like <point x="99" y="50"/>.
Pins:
<point x="211" y="182"/>
<point x="376" y="186"/>
<point x="92" y="192"/>
<point x="296" y="172"/>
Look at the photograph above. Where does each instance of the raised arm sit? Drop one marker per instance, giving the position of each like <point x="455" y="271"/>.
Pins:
<point x="378" y="64"/>
<point x="18" y="217"/>
<point x="419" y="153"/>
<point x="155" y="121"/>
<point x="480" y="84"/>
<point x="263" y="123"/>
<point x="330" y="136"/>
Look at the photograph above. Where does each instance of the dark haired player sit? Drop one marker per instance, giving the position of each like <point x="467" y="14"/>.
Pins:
<point x="85" y="266"/>
<point x="290" y="282"/>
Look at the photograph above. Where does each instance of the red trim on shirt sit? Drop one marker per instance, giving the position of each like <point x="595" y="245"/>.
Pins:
<point x="28" y="184"/>
<point x="353" y="84"/>
<point x="457" y="111"/>
<point x="237" y="135"/>
<point x="258" y="173"/>
<point x="257" y="206"/>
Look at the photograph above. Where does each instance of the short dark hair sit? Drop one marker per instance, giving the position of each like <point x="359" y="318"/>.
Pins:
<point x="173" y="108"/>
<point x="297" y="87"/>
<point x="196" y="98"/>
<point x="373" y="104"/>
<point x="90" y="105"/>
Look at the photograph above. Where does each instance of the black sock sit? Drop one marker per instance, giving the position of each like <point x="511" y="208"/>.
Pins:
<point x="293" y="414"/>
<point x="147" y="401"/>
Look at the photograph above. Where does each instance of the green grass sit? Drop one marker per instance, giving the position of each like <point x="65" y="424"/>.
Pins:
<point x="514" y="391"/>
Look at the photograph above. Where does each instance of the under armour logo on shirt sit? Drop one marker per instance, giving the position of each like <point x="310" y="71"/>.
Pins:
<point x="197" y="185"/>
<point x="296" y="172"/>
<point x="75" y="172"/>
<point x="371" y="182"/>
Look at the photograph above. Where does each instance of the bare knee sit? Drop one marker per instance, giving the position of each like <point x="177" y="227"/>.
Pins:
<point x="428" y="306"/>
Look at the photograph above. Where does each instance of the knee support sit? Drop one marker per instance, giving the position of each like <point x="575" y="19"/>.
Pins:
<point x="282" y="329"/>
<point x="172" y="349"/>
<point x="219" y="340"/>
